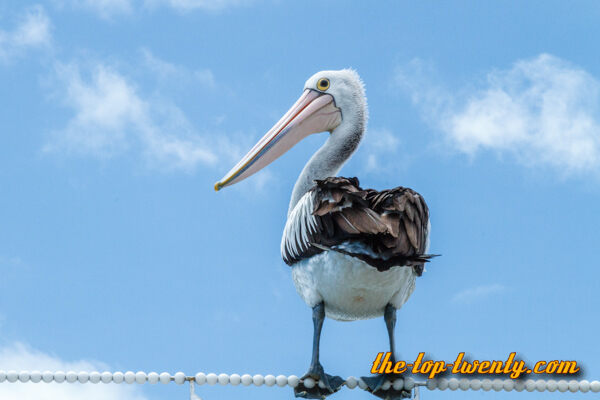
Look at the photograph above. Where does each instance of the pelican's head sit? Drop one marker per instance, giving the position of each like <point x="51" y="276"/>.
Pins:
<point x="330" y="99"/>
<point x="347" y="90"/>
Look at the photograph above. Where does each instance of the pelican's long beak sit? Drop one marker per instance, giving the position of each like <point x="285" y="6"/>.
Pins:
<point x="313" y="112"/>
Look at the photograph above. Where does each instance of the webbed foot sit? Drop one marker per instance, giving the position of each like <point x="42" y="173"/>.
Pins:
<point x="328" y="384"/>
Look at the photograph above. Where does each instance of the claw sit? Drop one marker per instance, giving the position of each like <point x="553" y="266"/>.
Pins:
<point x="375" y="387"/>
<point x="323" y="386"/>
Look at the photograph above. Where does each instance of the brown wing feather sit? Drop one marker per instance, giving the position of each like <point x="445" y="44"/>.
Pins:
<point x="390" y="224"/>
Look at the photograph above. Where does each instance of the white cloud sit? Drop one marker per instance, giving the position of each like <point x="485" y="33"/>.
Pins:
<point x="32" y="31"/>
<point x="477" y="293"/>
<point x="543" y="111"/>
<point x="21" y="357"/>
<point x="170" y="72"/>
<point x="112" y="118"/>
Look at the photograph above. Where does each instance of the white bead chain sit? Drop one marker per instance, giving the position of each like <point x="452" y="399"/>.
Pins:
<point x="201" y="378"/>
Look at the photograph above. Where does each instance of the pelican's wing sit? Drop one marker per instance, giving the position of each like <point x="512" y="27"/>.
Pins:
<point x="384" y="229"/>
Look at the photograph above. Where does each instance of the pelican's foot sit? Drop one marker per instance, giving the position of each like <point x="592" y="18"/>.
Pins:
<point x="328" y="384"/>
<point x="375" y="387"/>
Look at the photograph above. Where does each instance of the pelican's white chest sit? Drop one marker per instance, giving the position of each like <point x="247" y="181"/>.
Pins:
<point x="350" y="288"/>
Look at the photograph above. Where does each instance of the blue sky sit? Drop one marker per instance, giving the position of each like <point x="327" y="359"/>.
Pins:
<point x="117" y="116"/>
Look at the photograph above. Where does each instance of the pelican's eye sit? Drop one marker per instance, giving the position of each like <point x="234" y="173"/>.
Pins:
<point x="323" y="84"/>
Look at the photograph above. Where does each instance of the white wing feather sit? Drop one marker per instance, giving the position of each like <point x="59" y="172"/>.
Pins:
<point x="300" y="225"/>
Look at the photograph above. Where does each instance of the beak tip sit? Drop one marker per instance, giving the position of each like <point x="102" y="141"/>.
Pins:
<point x="217" y="186"/>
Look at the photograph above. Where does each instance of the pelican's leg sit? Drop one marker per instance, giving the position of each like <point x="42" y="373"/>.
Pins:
<point x="331" y="383"/>
<point x="374" y="383"/>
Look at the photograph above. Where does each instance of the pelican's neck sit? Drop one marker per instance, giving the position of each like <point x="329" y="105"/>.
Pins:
<point x="329" y="159"/>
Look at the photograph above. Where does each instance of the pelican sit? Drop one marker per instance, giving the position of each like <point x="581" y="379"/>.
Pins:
<point x="354" y="253"/>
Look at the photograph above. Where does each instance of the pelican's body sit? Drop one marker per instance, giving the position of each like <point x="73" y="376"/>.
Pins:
<point x="355" y="253"/>
<point x="349" y="287"/>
